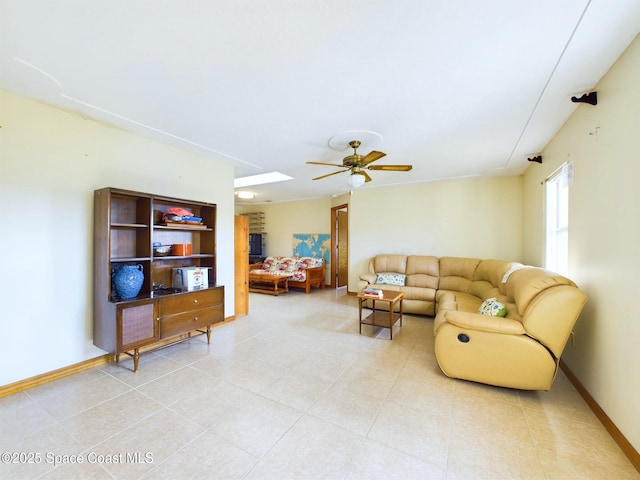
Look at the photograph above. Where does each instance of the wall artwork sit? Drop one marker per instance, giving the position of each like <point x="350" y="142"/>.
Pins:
<point x="316" y="245"/>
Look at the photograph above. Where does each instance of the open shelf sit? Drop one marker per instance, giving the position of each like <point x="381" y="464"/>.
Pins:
<point x="126" y="226"/>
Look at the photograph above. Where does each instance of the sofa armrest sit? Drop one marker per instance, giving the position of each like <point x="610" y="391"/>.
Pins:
<point x="485" y="323"/>
<point x="314" y="276"/>
<point x="362" y="284"/>
<point x="315" y="272"/>
<point x="368" y="277"/>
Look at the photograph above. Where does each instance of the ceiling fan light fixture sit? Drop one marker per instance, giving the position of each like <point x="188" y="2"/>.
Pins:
<point x="356" y="179"/>
<point x="357" y="165"/>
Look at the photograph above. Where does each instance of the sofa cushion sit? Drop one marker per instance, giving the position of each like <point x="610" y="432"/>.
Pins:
<point x="391" y="279"/>
<point x="493" y="308"/>
<point x="390" y="264"/>
<point x="526" y="283"/>
<point x="449" y="300"/>
<point x="483" y="289"/>
<point x="460" y="300"/>
<point x="310" y="262"/>
<point x="289" y="264"/>
<point x="467" y="302"/>
<point x="456" y="273"/>
<point x="270" y="264"/>
<point x="384" y="286"/>
<point x="488" y="278"/>
<point x="423" y="271"/>
<point x="419" y="293"/>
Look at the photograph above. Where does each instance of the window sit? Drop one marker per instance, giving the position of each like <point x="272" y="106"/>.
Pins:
<point x="557" y="220"/>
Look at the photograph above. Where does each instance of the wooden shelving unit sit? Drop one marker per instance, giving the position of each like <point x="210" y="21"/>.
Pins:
<point x="126" y="225"/>
<point x="256" y="222"/>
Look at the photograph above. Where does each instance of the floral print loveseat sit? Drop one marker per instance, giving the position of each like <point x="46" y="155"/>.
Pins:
<point x="307" y="271"/>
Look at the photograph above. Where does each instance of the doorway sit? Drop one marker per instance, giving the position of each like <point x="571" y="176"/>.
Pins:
<point x="340" y="246"/>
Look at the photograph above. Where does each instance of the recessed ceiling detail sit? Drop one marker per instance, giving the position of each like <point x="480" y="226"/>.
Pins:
<point x="368" y="140"/>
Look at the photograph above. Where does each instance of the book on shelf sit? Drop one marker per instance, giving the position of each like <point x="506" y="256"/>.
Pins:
<point x="372" y="292"/>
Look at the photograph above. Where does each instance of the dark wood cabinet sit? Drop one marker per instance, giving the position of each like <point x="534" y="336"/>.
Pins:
<point x="126" y="226"/>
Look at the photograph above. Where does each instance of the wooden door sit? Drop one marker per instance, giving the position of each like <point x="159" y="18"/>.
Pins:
<point x="343" y="248"/>
<point x="241" y="262"/>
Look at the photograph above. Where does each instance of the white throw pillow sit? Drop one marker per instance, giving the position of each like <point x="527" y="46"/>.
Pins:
<point x="391" y="279"/>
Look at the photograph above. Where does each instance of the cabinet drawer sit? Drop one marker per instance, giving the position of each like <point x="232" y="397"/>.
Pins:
<point x="179" y="323"/>
<point x="190" y="301"/>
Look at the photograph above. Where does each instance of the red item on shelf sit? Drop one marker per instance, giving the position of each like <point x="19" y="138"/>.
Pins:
<point x="180" y="211"/>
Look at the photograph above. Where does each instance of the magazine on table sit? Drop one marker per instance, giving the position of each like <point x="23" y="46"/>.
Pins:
<point x="372" y="292"/>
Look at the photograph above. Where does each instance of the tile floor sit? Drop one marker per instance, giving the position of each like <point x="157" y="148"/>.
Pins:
<point x="292" y="391"/>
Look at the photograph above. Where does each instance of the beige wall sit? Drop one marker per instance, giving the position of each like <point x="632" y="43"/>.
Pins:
<point x="466" y="218"/>
<point x="603" y="141"/>
<point x="51" y="161"/>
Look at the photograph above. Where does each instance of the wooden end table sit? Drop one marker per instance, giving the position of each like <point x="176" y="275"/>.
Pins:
<point x="269" y="283"/>
<point x="378" y="318"/>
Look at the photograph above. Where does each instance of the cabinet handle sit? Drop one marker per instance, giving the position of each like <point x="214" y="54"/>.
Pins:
<point x="195" y="301"/>
<point x="195" y="319"/>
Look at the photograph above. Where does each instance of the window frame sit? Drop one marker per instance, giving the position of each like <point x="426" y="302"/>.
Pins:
<point x="556" y="257"/>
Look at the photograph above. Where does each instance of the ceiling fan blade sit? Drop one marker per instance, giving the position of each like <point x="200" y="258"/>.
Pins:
<point x="329" y="174"/>
<point x="329" y="164"/>
<point x="367" y="178"/>
<point x="372" y="157"/>
<point x="391" y="168"/>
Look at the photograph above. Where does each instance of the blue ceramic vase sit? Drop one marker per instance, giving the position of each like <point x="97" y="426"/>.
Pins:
<point x="127" y="280"/>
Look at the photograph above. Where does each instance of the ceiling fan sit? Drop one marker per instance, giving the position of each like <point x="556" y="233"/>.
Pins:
<point x="357" y="164"/>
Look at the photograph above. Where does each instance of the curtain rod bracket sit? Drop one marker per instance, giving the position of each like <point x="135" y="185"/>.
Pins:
<point x="590" y="98"/>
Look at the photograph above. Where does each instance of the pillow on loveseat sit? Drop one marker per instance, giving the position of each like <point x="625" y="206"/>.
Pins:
<point x="493" y="308"/>
<point x="391" y="279"/>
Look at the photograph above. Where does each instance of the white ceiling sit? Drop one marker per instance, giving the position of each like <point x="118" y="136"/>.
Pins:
<point x="457" y="88"/>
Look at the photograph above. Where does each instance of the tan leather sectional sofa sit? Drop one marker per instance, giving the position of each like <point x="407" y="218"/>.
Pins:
<point x="520" y="350"/>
